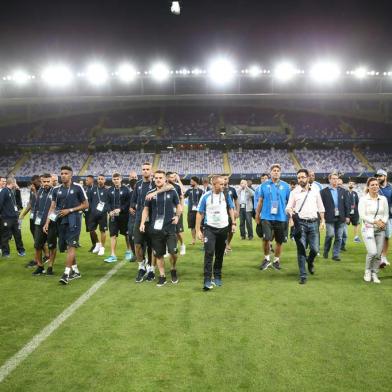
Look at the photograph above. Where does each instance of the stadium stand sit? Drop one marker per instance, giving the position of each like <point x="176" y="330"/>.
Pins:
<point x="379" y="159"/>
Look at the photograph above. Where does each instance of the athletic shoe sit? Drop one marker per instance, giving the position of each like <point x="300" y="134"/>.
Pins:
<point x="4" y="255"/>
<point x="111" y="259"/>
<point x="101" y="251"/>
<point x="22" y="254"/>
<point x="265" y="264"/>
<point x="368" y="276"/>
<point x="182" y="250"/>
<point x="49" y="271"/>
<point x="39" y="271"/>
<point x="140" y="275"/>
<point x="128" y="255"/>
<point x="276" y="265"/>
<point x="31" y="264"/>
<point x="97" y="248"/>
<point x="375" y="278"/>
<point x="336" y="258"/>
<point x="302" y="281"/>
<point x="174" y="277"/>
<point x="161" y="281"/>
<point x="207" y="285"/>
<point x="357" y="240"/>
<point x="217" y="282"/>
<point x="64" y="279"/>
<point x="150" y="276"/>
<point x="74" y="275"/>
<point x="384" y="262"/>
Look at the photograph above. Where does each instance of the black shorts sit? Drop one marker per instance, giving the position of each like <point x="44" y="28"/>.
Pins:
<point x="68" y="236"/>
<point x="131" y="224"/>
<point x="41" y="238"/>
<point x="354" y="220"/>
<point x="139" y="237"/>
<point x="32" y="227"/>
<point x="118" y="224"/>
<point x="274" y="230"/>
<point x="192" y="219"/>
<point x="259" y="230"/>
<point x="162" y="239"/>
<point x="96" y="220"/>
<point x="180" y="225"/>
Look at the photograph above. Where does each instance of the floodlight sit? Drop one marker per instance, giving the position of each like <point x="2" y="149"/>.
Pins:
<point x="285" y="72"/>
<point x="360" y="72"/>
<point x="254" y="71"/>
<point x="160" y="72"/>
<point x="97" y="74"/>
<point x="57" y="76"/>
<point x="126" y="73"/>
<point x="325" y="72"/>
<point x="20" y="77"/>
<point x="175" y="8"/>
<point x="221" y="71"/>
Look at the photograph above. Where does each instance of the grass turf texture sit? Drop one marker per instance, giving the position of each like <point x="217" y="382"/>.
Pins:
<point x="260" y="331"/>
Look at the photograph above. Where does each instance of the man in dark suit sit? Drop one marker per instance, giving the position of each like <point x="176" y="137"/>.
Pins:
<point x="337" y="214"/>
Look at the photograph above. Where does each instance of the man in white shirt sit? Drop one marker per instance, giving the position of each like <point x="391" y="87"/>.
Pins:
<point x="303" y="206"/>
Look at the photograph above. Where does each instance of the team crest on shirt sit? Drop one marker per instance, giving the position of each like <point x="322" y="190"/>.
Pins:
<point x="168" y="196"/>
<point x="95" y="193"/>
<point x="121" y="193"/>
<point x="60" y="192"/>
<point x="71" y="192"/>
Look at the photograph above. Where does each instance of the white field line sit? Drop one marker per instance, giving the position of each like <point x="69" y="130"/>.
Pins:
<point x="23" y="353"/>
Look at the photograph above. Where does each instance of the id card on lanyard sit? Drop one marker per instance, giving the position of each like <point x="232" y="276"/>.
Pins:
<point x="274" y="203"/>
<point x="101" y="204"/>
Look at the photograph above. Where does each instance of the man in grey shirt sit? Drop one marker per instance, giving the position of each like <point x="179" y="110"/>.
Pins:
<point x="245" y="197"/>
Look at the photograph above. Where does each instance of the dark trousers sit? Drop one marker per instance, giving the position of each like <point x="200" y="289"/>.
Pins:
<point x="11" y="228"/>
<point x="214" y="244"/>
<point x="246" y="218"/>
<point x="309" y="236"/>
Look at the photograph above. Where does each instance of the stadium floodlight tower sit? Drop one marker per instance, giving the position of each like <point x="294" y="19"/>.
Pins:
<point x="254" y="71"/>
<point x="360" y="72"/>
<point x="97" y="74"/>
<point x="285" y="71"/>
<point x="126" y="73"/>
<point x="57" y="76"/>
<point x="325" y="72"/>
<point x="160" y="72"/>
<point x="221" y="71"/>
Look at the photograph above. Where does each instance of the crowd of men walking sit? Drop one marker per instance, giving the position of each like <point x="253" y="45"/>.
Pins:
<point x="148" y="213"/>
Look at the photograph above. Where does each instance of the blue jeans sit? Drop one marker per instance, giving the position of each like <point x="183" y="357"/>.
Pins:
<point x="334" y="230"/>
<point x="309" y="236"/>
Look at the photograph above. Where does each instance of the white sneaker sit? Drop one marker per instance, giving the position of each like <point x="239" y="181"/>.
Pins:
<point x="183" y="250"/>
<point x="375" y="278"/>
<point x="97" y="247"/>
<point x="101" y="251"/>
<point x="368" y="276"/>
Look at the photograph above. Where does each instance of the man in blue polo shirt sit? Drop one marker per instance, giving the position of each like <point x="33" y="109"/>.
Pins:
<point x="271" y="213"/>
<point x="67" y="201"/>
<point x="385" y="190"/>
<point x="9" y="211"/>
<point x="163" y="212"/>
<point x="216" y="208"/>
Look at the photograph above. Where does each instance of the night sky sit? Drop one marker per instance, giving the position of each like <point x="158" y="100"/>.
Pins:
<point x="355" y="32"/>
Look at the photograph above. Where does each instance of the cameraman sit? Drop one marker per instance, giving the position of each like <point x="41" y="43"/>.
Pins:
<point x="303" y="205"/>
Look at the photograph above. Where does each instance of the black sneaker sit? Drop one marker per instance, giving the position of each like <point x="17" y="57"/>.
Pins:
<point x="31" y="264"/>
<point x="265" y="264"/>
<point x="161" y="281"/>
<point x="302" y="281"/>
<point x="336" y="258"/>
<point x="140" y="275"/>
<point x="39" y="271"/>
<point x="150" y="276"/>
<point x="64" y="279"/>
<point x="174" y="277"/>
<point x="276" y="265"/>
<point x="49" y="271"/>
<point x="74" y="275"/>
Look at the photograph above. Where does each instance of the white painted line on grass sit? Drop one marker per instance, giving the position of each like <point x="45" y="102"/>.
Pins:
<point x="22" y="354"/>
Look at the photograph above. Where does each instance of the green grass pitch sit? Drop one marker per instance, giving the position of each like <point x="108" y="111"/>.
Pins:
<point x="261" y="331"/>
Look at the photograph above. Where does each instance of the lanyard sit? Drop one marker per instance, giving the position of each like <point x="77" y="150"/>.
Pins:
<point x="47" y="197"/>
<point x="13" y="199"/>
<point x="99" y="199"/>
<point x="164" y="204"/>
<point x="212" y="198"/>
<point x="273" y="184"/>
<point x="66" y="196"/>
<point x="118" y="197"/>
<point x="193" y="196"/>
<point x="140" y="195"/>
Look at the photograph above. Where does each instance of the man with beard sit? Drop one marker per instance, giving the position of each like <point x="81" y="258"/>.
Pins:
<point x="304" y="207"/>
